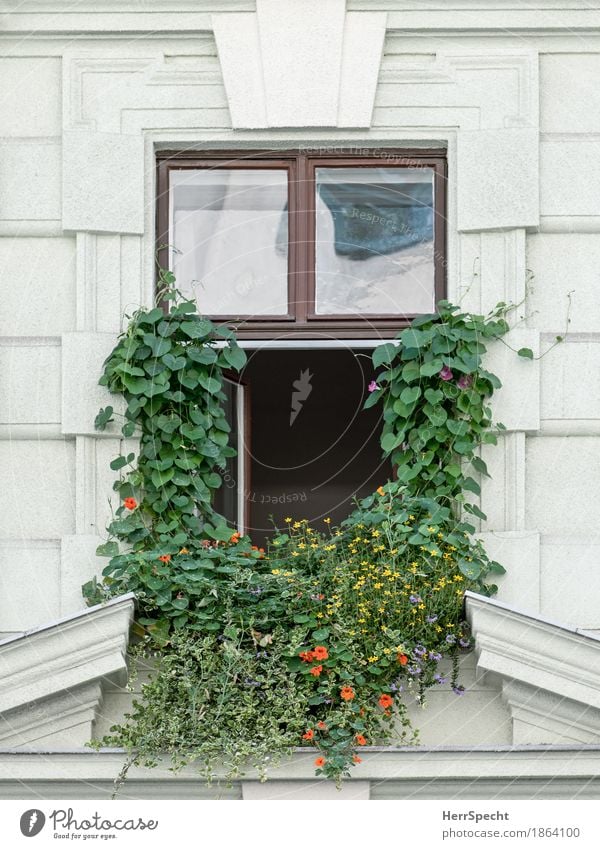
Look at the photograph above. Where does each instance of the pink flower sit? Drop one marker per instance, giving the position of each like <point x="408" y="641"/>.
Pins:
<point x="446" y="373"/>
<point x="373" y="387"/>
<point x="464" y="381"/>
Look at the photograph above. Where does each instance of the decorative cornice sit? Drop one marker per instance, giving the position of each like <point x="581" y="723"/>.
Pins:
<point x="55" y="672"/>
<point x="549" y="673"/>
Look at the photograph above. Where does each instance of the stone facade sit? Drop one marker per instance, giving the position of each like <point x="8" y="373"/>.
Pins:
<point x="510" y="90"/>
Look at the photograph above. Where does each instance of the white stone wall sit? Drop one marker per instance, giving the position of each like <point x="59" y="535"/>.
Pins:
<point x="90" y="92"/>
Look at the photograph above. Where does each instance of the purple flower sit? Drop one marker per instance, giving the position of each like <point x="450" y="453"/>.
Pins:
<point x="435" y="656"/>
<point x="248" y="682"/>
<point x="439" y="679"/>
<point x="414" y="670"/>
<point x="414" y="599"/>
<point x="465" y="642"/>
<point x="464" y="381"/>
<point x="458" y="690"/>
<point x="431" y="619"/>
<point x="446" y="373"/>
<point x="450" y="639"/>
<point x="419" y="651"/>
<point x="373" y="387"/>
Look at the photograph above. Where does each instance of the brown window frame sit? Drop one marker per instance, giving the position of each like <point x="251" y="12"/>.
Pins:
<point x="301" y="165"/>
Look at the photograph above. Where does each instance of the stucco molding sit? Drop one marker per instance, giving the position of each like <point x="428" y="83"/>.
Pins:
<point x="53" y="675"/>
<point x="274" y="62"/>
<point x="83" y="353"/>
<point x="549" y="673"/>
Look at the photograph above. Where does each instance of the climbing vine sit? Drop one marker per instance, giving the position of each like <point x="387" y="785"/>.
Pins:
<point x="329" y="636"/>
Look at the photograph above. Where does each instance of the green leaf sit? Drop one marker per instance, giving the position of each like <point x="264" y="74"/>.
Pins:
<point x="480" y="466"/>
<point x="413" y="338"/>
<point x="472" y="508"/>
<point x="137" y="385"/>
<point x="527" y="353"/>
<point x="410" y="371"/>
<point x="174" y="363"/>
<point x="372" y="399"/>
<point x="103" y="418"/>
<point x="389" y="441"/>
<point x="471" y="570"/>
<point x="159" y="479"/>
<point x="197" y="329"/>
<point x="436" y="415"/>
<point x="211" y="384"/>
<point x="431" y="368"/>
<point x="434" y="396"/>
<point x="108" y="549"/>
<point x="157" y="344"/>
<point x="222" y="533"/>
<point x="471" y="486"/>
<point x="458" y="427"/>
<point x="410" y="394"/>
<point x="118" y="463"/>
<point x="384" y="354"/>
<point x="235" y="356"/>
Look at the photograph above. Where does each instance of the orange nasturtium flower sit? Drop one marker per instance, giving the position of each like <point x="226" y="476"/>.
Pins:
<point x="322" y="726"/>
<point x="361" y="740"/>
<point x="130" y="503"/>
<point x="320" y="762"/>
<point x="356" y="759"/>
<point x="316" y="671"/>
<point x="380" y="490"/>
<point x="347" y="693"/>
<point x="385" y="700"/>
<point x="308" y="735"/>
<point x="307" y="656"/>
<point x="402" y="659"/>
<point x="165" y="558"/>
<point x="235" y="537"/>
<point x="321" y="653"/>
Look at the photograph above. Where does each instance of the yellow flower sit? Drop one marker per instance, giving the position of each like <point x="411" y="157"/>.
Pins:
<point x="288" y="519"/>
<point x="327" y="520"/>
<point x="373" y="659"/>
<point x="275" y="571"/>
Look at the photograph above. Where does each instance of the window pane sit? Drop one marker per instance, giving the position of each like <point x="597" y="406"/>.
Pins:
<point x="229" y="239"/>
<point x="374" y="240"/>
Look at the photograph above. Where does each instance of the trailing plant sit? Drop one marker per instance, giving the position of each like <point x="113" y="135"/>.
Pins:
<point x="325" y="638"/>
<point x="169" y="369"/>
<point x="435" y="397"/>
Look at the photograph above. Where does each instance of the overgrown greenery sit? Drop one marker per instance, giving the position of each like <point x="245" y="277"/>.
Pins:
<point x="325" y="638"/>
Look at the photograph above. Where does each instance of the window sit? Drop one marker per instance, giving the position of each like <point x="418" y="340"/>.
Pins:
<point x="312" y="258"/>
<point x="312" y="245"/>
